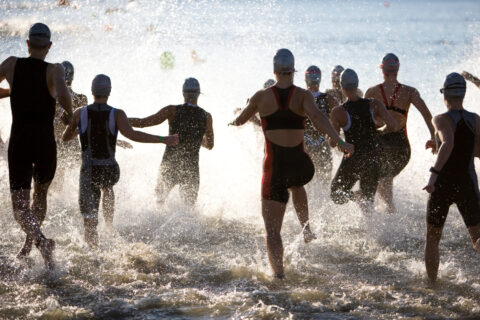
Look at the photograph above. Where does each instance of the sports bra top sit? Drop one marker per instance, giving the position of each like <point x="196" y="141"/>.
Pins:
<point x="394" y="97"/>
<point x="283" y="118"/>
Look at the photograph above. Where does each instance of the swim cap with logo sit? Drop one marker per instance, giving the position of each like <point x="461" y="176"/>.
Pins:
<point x="39" y="35"/>
<point x="101" y="85"/>
<point x="454" y="85"/>
<point x="283" y="62"/>
<point x="349" y="79"/>
<point x="69" y="71"/>
<point x="191" y="85"/>
<point x="390" y="63"/>
<point x="313" y="75"/>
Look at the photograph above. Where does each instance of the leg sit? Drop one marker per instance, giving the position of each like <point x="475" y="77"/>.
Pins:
<point x="343" y="182"/>
<point x="89" y="201"/>
<point x="385" y="192"/>
<point x="432" y="256"/>
<point x="273" y="212"/>
<point x="189" y="187"/>
<point x="31" y="226"/>
<point x="108" y="206"/>
<point x="368" y="186"/>
<point x="39" y="209"/>
<point x="300" y="203"/>
<point x="165" y="183"/>
<point x="475" y="236"/>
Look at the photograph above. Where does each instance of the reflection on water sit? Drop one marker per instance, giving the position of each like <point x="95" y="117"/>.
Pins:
<point x="211" y="262"/>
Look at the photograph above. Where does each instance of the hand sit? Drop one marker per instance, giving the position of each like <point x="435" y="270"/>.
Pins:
<point x="233" y="123"/>
<point x="347" y="148"/>
<point x="170" y="140"/>
<point x="430" y="187"/>
<point x="431" y="144"/>
<point x="467" y="75"/>
<point x="65" y="118"/>
<point x="124" y="144"/>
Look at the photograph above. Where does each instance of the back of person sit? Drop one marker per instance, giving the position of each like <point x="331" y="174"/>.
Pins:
<point x="98" y="135"/>
<point x="360" y="130"/>
<point x="189" y="123"/>
<point x="313" y="138"/>
<point x="460" y="164"/>
<point x="33" y="108"/>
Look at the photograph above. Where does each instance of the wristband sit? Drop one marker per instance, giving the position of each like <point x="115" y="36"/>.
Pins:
<point x="433" y="170"/>
<point x="340" y="143"/>
<point x="160" y="138"/>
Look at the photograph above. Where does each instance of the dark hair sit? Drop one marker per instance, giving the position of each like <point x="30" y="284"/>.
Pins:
<point x="38" y="47"/>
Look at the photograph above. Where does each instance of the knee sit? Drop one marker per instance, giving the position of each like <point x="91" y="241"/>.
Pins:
<point x="90" y="223"/>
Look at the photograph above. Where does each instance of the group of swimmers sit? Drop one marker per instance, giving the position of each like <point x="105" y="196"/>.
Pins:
<point x="300" y="127"/>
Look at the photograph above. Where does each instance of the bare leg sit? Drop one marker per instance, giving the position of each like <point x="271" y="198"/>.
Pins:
<point x="300" y="203"/>
<point x="91" y="234"/>
<point x="30" y="224"/>
<point x="385" y="192"/>
<point x="108" y="205"/>
<point x="273" y="212"/>
<point x="475" y="236"/>
<point x="162" y="190"/>
<point x="432" y="256"/>
<point x="39" y="210"/>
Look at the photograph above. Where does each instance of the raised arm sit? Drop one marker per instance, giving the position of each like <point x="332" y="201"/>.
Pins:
<point x="125" y="129"/>
<point x="382" y="113"/>
<point x="445" y="133"/>
<point x="323" y="125"/>
<point x="208" y="137"/>
<point x="167" y="112"/>
<point x="63" y="95"/>
<point x="470" y="77"/>
<point x="249" y="111"/>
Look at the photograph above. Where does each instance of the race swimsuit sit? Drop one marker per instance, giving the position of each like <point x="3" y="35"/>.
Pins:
<point x="457" y="181"/>
<point x="284" y="167"/>
<point x="395" y="146"/>
<point x="364" y="164"/>
<point x="315" y="144"/>
<point x="98" y="138"/>
<point x="180" y="163"/>
<point x="31" y="151"/>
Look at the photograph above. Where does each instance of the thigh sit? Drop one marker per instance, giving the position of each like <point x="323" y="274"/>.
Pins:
<point x="467" y="200"/>
<point x="369" y="178"/>
<point x="189" y="186"/>
<point x="105" y="176"/>
<point x="273" y="213"/>
<point x="438" y="205"/>
<point x="89" y="195"/>
<point x="45" y="163"/>
<point x="20" y="166"/>
<point x="346" y="175"/>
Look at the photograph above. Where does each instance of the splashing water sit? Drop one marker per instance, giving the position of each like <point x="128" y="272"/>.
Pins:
<point x="210" y="262"/>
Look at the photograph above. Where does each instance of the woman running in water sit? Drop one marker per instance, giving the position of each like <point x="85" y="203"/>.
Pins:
<point x="283" y="109"/>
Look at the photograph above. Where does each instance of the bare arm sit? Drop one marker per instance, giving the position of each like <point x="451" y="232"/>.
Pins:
<point x="381" y="113"/>
<point x="155" y="119"/>
<point x="71" y="129"/>
<point x="418" y="102"/>
<point x="477" y="148"/>
<point x="338" y="119"/>
<point x="445" y="133"/>
<point x="208" y="137"/>
<point x="470" y="77"/>
<point x="248" y="112"/>
<point x="63" y="95"/>
<point x="4" y="92"/>
<point x="323" y="125"/>
<point x="139" y="136"/>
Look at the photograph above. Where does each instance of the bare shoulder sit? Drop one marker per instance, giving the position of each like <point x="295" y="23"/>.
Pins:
<point x="440" y="120"/>
<point x="10" y="61"/>
<point x="371" y="91"/>
<point x="337" y="111"/>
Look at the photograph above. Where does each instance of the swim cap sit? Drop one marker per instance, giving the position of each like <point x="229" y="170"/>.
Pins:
<point x="349" y="79"/>
<point x="101" y="86"/>
<point x="283" y="62"/>
<point x="268" y="83"/>
<point x="191" y="85"/>
<point x="39" y="35"/>
<point x="390" y="63"/>
<point x="454" y="85"/>
<point x="337" y="70"/>
<point x="68" y="67"/>
<point x="313" y="75"/>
